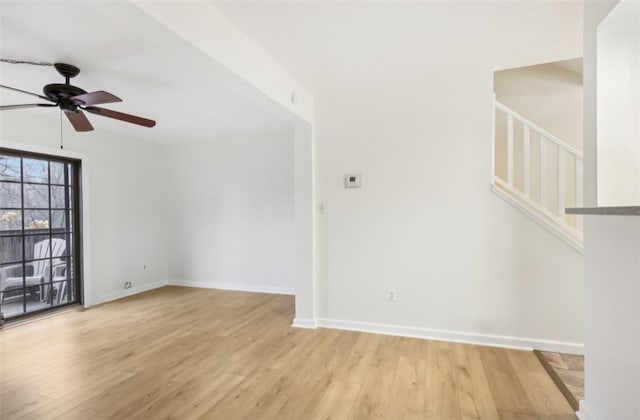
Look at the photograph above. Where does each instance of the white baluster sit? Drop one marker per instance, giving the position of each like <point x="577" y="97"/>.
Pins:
<point x="564" y="152"/>
<point x="561" y="183"/>
<point x="543" y="172"/>
<point x="527" y="161"/>
<point x="493" y="140"/>
<point x="579" y="189"/>
<point x="510" y="150"/>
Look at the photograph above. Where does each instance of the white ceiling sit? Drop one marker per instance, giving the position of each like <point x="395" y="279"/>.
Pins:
<point x="327" y="46"/>
<point x="334" y="45"/>
<point x="125" y="52"/>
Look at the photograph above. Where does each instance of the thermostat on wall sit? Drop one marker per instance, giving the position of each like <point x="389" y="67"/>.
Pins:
<point x="353" y="181"/>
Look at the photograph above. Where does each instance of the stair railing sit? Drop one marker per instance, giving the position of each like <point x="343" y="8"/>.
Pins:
<point x="546" y="143"/>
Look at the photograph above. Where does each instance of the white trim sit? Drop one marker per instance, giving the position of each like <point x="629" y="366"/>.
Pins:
<point x="128" y="292"/>
<point x="527" y="200"/>
<point x="43" y="150"/>
<point x="85" y="190"/>
<point x="562" y="184"/>
<point x="234" y="286"/>
<point x="561" y="232"/>
<point x="579" y="193"/>
<point x="510" y="149"/>
<point x="493" y="140"/>
<point x="527" y="160"/>
<point x="519" y="343"/>
<point x="544" y="133"/>
<point x="586" y="412"/>
<point x="309" y="324"/>
<point x="544" y="174"/>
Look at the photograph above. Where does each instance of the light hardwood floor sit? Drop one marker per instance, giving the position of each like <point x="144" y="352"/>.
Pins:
<point x="197" y="353"/>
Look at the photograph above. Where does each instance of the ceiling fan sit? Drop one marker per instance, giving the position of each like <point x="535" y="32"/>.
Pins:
<point x="73" y="100"/>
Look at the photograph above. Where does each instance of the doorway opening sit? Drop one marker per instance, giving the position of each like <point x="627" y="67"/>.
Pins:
<point x="40" y="235"/>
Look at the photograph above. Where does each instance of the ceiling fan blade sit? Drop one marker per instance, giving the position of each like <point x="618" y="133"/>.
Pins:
<point x="6" y="107"/>
<point x="79" y="121"/>
<point x="28" y="93"/>
<point x="120" y="116"/>
<point x="98" y="97"/>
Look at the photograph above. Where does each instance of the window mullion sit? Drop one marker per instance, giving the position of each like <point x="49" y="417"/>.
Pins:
<point x="24" y="246"/>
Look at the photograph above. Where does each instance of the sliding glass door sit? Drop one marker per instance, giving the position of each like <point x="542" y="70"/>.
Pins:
<point x="39" y="235"/>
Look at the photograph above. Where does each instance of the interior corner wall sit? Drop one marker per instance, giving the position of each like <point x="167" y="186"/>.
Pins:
<point x="127" y="211"/>
<point x="305" y="221"/>
<point x="231" y="213"/>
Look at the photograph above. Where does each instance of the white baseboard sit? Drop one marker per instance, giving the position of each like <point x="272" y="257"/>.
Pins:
<point x="304" y="323"/>
<point x="376" y="328"/>
<point x="126" y="293"/>
<point x="585" y="412"/>
<point x="234" y="286"/>
<point x="454" y="336"/>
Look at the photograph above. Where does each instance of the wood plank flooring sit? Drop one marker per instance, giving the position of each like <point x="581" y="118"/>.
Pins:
<point x="187" y="353"/>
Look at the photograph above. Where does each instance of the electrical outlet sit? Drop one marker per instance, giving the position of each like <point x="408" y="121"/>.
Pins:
<point x="391" y="296"/>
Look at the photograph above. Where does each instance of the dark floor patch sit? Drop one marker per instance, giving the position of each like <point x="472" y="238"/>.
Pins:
<point x="567" y="371"/>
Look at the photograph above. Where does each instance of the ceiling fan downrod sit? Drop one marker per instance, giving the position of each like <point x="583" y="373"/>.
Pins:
<point x="67" y="71"/>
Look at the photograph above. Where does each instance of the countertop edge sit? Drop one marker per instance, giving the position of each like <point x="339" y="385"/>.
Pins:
<point x="605" y="211"/>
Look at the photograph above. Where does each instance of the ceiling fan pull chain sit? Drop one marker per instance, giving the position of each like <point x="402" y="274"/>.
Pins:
<point x="61" y="140"/>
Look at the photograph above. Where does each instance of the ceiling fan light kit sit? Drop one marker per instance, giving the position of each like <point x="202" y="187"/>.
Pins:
<point x="73" y="100"/>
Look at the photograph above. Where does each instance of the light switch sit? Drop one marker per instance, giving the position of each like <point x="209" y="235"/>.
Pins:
<point x="353" y="181"/>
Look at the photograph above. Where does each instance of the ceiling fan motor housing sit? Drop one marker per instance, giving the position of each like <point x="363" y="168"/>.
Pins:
<point x="61" y="93"/>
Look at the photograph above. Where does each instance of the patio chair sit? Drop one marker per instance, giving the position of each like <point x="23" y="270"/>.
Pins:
<point x="37" y="274"/>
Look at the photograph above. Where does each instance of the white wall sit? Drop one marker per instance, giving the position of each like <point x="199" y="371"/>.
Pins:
<point x="612" y="302"/>
<point x="612" y="269"/>
<point x="230" y="213"/>
<point x="127" y="211"/>
<point x="464" y="264"/>
<point x="215" y="214"/>
<point x="305" y="225"/>
<point x="426" y="224"/>
<point x="619" y="106"/>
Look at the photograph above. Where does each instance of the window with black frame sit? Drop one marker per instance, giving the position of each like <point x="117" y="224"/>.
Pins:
<point x="39" y="238"/>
